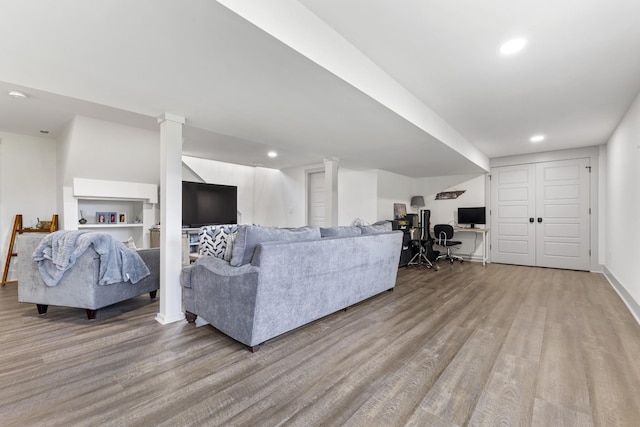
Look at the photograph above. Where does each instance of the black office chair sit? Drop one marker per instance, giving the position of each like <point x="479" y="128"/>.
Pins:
<point x="423" y="244"/>
<point x="444" y="234"/>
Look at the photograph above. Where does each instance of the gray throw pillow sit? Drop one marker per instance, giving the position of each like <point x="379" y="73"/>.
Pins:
<point x="249" y="236"/>
<point x="340" y="231"/>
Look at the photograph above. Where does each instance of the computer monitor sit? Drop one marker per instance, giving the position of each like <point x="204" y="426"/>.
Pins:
<point x="472" y="216"/>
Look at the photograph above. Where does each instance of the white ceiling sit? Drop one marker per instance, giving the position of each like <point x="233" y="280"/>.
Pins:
<point x="243" y="91"/>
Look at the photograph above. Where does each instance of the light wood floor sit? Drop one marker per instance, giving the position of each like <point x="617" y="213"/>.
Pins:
<point x="467" y="345"/>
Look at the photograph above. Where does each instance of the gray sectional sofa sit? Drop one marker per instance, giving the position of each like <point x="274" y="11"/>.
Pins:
<point x="280" y="279"/>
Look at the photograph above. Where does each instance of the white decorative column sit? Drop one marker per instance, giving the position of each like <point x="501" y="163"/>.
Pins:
<point x="331" y="188"/>
<point x="170" y="218"/>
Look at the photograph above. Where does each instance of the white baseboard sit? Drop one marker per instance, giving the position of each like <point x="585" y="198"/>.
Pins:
<point x="628" y="300"/>
<point x="165" y="320"/>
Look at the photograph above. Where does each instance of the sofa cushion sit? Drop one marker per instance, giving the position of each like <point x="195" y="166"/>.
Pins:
<point x="249" y="236"/>
<point x="378" y="227"/>
<point x="217" y="240"/>
<point x="341" y="231"/>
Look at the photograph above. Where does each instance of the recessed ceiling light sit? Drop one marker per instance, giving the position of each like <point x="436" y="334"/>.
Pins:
<point x="272" y="154"/>
<point x="18" y="95"/>
<point x="537" y="138"/>
<point x="512" y="46"/>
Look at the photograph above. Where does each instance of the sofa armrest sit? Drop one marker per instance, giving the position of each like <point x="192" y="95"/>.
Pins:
<point x="213" y="265"/>
<point x="151" y="258"/>
<point x="222" y="267"/>
<point x="223" y="295"/>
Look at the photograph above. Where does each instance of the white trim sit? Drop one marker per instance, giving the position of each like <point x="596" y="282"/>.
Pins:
<point x="547" y="156"/>
<point x="632" y="305"/>
<point x="96" y="188"/>
<point x="165" y="320"/>
<point x="308" y="171"/>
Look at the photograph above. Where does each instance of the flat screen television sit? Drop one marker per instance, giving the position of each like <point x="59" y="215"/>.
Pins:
<point x="208" y="204"/>
<point x="472" y="216"/>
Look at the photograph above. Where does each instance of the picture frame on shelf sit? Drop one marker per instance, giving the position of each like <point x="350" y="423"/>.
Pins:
<point x="112" y="218"/>
<point x="101" y="217"/>
<point x="122" y="218"/>
<point x="399" y="210"/>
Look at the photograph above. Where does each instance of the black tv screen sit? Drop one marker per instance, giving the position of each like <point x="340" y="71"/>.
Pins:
<point x="472" y="216"/>
<point x="208" y="204"/>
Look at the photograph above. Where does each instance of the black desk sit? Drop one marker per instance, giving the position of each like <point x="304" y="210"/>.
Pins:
<point x="406" y="253"/>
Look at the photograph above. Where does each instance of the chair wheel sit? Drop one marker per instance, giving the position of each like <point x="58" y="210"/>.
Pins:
<point x="451" y="261"/>
<point x="461" y="261"/>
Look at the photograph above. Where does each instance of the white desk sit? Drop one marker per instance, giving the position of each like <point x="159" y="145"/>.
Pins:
<point x="485" y="240"/>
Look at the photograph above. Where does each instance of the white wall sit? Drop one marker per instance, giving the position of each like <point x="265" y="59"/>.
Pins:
<point x="357" y="196"/>
<point x="622" y="253"/>
<point x="602" y="204"/>
<point x="269" y="208"/>
<point x="393" y="188"/>
<point x="97" y="149"/>
<point x="278" y="198"/>
<point x="294" y="194"/>
<point x="446" y="211"/>
<point x="27" y="184"/>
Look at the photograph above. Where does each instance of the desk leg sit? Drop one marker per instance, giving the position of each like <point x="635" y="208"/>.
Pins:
<point x="484" y="248"/>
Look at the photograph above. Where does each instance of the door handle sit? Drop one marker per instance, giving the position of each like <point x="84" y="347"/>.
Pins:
<point x="531" y="219"/>
<point x="539" y="219"/>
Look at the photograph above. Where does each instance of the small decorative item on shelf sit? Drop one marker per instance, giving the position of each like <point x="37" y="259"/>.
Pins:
<point x="82" y="219"/>
<point x="122" y="218"/>
<point x="101" y="217"/>
<point x="112" y="218"/>
<point x="399" y="210"/>
<point x="43" y="225"/>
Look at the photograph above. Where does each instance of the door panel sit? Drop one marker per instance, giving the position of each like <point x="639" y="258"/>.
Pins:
<point x="512" y="235"/>
<point x="566" y="250"/>
<point x="510" y="229"/>
<point x="562" y="238"/>
<point x="561" y="211"/>
<point x="316" y="194"/>
<point x="561" y="192"/>
<point x="519" y="247"/>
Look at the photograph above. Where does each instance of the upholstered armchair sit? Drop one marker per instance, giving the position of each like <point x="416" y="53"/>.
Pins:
<point x="79" y="286"/>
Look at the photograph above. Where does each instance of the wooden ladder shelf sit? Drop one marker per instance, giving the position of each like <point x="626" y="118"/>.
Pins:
<point x="18" y="229"/>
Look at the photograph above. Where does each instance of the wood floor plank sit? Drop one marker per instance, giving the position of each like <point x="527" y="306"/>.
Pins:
<point x="547" y="414"/>
<point x="466" y="345"/>
<point x="467" y="375"/>
<point x="508" y="396"/>
<point x="526" y="334"/>
<point x="563" y="357"/>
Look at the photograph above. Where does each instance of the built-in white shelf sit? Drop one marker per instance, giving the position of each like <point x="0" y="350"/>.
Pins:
<point x="88" y="197"/>
<point x="109" y="225"/>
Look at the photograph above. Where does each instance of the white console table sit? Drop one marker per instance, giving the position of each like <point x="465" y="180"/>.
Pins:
<point x="485" y="240"/>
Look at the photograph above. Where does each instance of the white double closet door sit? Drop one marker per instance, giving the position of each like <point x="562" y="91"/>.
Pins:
<point x="541" y="214"/>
